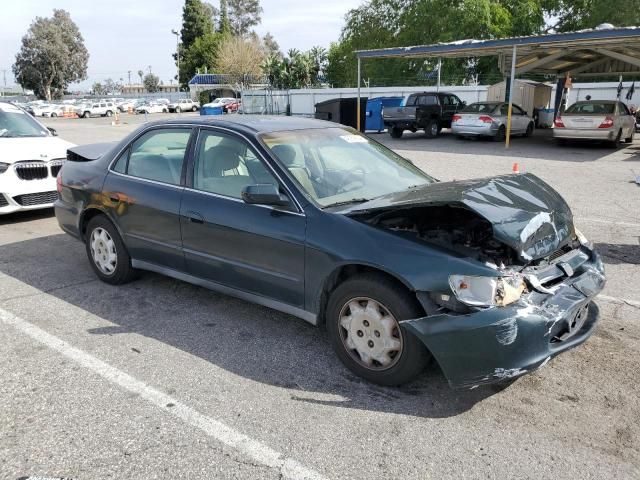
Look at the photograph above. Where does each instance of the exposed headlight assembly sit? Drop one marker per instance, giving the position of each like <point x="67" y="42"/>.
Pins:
<point x="4" y="167"/>
<point x="487" y="291"/>
<point x="581" y="238"/>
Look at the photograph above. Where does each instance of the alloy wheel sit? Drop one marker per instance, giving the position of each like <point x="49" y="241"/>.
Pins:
<point x="103" y="251"/>
<point x="370" y="333"/>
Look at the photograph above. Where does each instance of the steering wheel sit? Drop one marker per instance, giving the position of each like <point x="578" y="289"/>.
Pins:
<point x="352" y="180"/>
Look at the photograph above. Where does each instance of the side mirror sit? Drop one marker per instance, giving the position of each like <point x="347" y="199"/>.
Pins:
<point x="53" y="131"/>
<point x="264" y="194"/>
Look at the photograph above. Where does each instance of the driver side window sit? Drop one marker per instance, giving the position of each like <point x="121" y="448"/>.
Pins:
<point x="225" y="165"/>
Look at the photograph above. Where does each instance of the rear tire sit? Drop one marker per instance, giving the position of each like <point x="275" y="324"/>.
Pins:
<point x="395" y="132"/>
<point x="501" y="134"/>
<point x="109" y="113"/>
<point x="194" y="109"/>
<point x="529" y="131"/>
<point x="616" y="143"/>
<point x="432" y="129"/>
<point x="630" y="139"/>
<point x="375" y="293"/>
<point x="178" y="110"/>
<point x="107" y="253"/>
<point x="86" y="115"/>
<point x="54" y="115"/>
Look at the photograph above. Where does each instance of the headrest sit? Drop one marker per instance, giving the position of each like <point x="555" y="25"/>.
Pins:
<point x="286" y="154"/>
<point x="222" y="158"/>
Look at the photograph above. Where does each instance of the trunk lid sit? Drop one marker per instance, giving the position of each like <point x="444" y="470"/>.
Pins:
<point x="578" y="122"/>
<point x="526" y="213"/>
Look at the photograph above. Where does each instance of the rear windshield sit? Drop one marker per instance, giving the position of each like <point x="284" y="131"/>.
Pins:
<point x="592" y="108"/>
<point x="480" y="108"/>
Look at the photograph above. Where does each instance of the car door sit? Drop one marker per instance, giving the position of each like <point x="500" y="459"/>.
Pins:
<point x="450" y="105"/>
<point x="143" y="190"/>
<point x="251" y="248"/>
<point x="627" y="120"/>
<point x="520" y="120"/>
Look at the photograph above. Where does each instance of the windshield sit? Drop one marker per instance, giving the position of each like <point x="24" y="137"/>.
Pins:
<point x="15" y="122"/>
<point x="595" y="108"/>
<point x="336" y="166"/>
<point x="480" y="108"/>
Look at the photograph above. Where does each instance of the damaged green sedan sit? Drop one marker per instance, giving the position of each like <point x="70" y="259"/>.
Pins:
<point x="490" y="277"/>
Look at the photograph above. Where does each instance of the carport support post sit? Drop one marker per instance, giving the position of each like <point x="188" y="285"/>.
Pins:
<point x="358" y="102"/>
<point x="439" y="78"/>
<point x="512" y="81"/>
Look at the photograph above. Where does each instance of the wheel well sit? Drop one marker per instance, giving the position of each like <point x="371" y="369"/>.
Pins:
<point x="343" y="273"/>
<point x="86" y="218"/>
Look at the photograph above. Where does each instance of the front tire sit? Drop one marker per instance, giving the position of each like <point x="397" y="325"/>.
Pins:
<point x="178" y="110"/>
<point x="194" y="109"/>
<point x="107" y="253"/>
<point x="109" y="113"/>
<point x="362" y="322"/>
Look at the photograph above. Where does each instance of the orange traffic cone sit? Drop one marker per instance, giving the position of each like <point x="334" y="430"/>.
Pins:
<point x="515" y="168"/>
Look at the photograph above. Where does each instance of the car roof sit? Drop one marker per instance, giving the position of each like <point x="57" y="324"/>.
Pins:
<point x="254" y="123"/>
<point x="598" y="101"/>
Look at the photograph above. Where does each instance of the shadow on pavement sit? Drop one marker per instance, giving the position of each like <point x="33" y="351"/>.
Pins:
<point x="26" y="216"/>
<point x="616" y="254"/>
<point x="540" y="146"/>
<point x="248" y="340"/>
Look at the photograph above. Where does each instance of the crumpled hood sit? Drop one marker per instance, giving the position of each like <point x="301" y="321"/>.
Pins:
<point x="32" y="148"/>
<point x="526" y="214"/>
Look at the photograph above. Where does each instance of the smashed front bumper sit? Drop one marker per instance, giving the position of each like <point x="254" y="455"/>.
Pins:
<point x="499" y="343"/>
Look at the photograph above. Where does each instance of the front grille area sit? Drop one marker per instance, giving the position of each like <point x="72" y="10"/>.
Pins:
<point x="32" y="199"/>
<point x="32" y="170"/>
<point x="56" y="165"/>
<point x="3" y="201"/>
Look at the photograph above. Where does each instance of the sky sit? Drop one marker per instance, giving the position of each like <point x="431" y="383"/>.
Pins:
<point x="123" y="35"/>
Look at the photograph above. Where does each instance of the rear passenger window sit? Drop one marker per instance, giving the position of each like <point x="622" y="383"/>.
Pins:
<point x="158" y="155"/>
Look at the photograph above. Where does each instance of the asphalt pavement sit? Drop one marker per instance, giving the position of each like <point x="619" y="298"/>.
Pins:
<point x="162" y="379"/>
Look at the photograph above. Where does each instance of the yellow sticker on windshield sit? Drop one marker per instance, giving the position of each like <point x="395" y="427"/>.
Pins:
<point x="353" y="139"/>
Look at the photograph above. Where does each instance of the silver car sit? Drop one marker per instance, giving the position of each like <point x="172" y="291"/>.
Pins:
<point x="489" y="119"/>
<point x="604" y="120"/>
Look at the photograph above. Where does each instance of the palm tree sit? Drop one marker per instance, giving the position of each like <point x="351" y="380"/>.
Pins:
<point x="140" y="74"/>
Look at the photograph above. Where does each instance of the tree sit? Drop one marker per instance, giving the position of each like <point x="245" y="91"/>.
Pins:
<point x="571" y="15"/>
<point x="296" y="70"/>
<point x="141" y="75"/>
<point x="196" y="22"/>
<point x="270" y="45"/>
<point x="399" y="23"/>
<point x="97" y="89"/>
<point x="52" y="56"/>
<point x="201" y="56"/>
<point x="239" y="56"/>
<point x="151" y="83"/>
<point x="224" y="26"/>
<point x="244" y="14"/>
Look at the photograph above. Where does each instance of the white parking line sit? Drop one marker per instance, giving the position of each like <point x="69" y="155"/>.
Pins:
<point x="255" y="449"/>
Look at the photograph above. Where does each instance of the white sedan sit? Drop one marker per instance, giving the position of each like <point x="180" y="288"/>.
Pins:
<point x="30" y="158"/>
<point x="152" y="108"/>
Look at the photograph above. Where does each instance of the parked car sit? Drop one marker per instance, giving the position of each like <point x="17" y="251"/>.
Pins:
<point x="488" y="276"/>
<point x="53" y="110"/>
<point x="183" y="105"/>
<point x="489" y="119"/>
<point x="30" y="157"/>
<point x="96" y="109"/>
<point x="601" y="120"/>
<point x="219" y="102"/>
<point x="431" y="111"/>
<point x="152" y="107"/>
<point x="37" y="110"/>
<point x="124" y="105"/>
<point x="232" y="106"/>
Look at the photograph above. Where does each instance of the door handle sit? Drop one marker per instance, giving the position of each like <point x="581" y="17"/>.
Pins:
<point x="195" y="217"/>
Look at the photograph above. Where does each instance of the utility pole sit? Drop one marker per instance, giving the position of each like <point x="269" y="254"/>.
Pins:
<point x="4" y="76"/>
<point x="177" y="34"/>
<point x="129" y="73"/>
<point x="149" y="67"/>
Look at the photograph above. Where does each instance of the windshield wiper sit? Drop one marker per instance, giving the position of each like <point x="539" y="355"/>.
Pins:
<point x="347" y="202"/>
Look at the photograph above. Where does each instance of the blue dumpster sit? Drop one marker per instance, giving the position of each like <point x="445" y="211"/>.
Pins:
<point x="374" y="111"/>
<point x="211" y="110"/>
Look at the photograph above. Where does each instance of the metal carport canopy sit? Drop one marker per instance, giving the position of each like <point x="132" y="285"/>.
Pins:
<point x="590" y="53"/>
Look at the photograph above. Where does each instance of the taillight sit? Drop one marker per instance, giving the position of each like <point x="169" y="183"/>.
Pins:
<point x="59" y="182"/>
<point x="455" y="118"/>
<point x="485" y="119"/>
<point x="558" y="123"/>
<point x="608" y="123"/>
